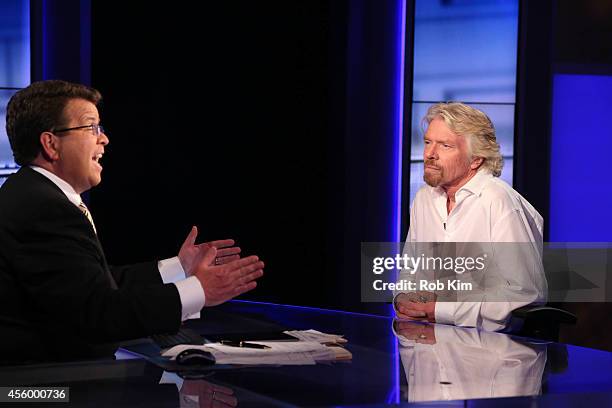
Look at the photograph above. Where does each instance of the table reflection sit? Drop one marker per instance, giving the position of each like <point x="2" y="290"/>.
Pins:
<point x="204" y="394"/>
<point x="451" y="363"/>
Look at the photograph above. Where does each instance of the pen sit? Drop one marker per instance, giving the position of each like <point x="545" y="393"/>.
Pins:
<point x="243" y="344"/>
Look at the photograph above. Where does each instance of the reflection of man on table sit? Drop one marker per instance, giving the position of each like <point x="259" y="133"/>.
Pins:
<point x="465" y="201"/>
<point x="449" y="363"/>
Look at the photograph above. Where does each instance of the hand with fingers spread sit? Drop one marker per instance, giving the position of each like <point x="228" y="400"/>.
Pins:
<point x="189" y="252"/>
<point x="226" y="281"/>
<point x="416" y="306"/>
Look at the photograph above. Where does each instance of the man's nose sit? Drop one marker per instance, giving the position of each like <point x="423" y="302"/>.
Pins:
<point x="104" y="139"/>
<point x="430" y="151"/>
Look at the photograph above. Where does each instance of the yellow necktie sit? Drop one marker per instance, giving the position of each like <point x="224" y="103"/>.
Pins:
<point x="85" y="211"/>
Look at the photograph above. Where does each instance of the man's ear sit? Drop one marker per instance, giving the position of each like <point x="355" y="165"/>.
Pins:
<point x="49" y="148"/>
<point x="476" y="162"/>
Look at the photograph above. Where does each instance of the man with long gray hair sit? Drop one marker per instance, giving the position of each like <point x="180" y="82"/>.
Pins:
<point x="465" y="201"/>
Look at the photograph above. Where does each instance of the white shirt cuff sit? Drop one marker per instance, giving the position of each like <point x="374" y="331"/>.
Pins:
<point x="171" y="270"/>
<point x="192" y="297"/>
<point x="445" y="312"/>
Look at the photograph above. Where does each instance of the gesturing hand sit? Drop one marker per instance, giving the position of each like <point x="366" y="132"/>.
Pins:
<point x="189" y="252"/>
<point x="224" y="282"/>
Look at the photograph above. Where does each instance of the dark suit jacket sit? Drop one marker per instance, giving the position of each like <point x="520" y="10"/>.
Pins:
<point x="59" y="300"/>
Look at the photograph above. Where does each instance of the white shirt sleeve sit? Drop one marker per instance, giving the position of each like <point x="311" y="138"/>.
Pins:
<point x="445" y="312"/>
<point x="190" y="290"/>
<point x="519" y="275"/>
<point x="520" y="269"/>
<point x="171" y="270"/>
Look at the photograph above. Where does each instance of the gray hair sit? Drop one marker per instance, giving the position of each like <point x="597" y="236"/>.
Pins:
<point x="475" y="126"/>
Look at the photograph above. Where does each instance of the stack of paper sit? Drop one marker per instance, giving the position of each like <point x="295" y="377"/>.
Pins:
<point x="340" y="353"/>
<point x="285" y="353"/>
<point x="317" y="336"/>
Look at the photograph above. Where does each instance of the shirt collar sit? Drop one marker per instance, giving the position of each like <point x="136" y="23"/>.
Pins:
<point x="474" y="185"/>
<point x="66" y="188"/>
<point x="478" y="182"/>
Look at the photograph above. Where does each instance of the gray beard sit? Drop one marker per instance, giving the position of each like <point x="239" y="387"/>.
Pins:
<point x="433" y="180"/>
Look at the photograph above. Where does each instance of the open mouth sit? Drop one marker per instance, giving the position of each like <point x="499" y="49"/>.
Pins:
<point x="97" y="157"/>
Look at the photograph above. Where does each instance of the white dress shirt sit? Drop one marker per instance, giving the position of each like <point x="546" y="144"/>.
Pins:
<point x="190" y="290"/>
<point x="487" y="210"/>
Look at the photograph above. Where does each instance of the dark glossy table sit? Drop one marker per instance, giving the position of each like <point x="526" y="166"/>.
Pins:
<point x="393" y="363"/>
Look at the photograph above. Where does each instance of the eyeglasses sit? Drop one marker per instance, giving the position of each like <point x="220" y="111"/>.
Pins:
<point x="97" y="130"/>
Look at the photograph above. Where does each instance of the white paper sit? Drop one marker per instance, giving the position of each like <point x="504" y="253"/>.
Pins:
<point x="317" y="336"/>
<point x="285" y="353"/>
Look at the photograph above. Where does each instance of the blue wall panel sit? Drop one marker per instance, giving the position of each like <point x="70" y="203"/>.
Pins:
<point x="581" y="161"/>
<point x="14" y="67"/>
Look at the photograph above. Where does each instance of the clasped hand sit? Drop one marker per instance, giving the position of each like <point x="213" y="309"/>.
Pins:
<point x="416" y="306"/>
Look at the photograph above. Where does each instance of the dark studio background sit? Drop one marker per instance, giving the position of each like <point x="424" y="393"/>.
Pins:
<point x="236" y="119"/>
<point x="272" y="123"/>
<point x="222" y="118"/>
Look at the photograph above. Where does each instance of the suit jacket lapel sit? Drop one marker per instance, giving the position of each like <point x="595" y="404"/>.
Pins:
<point x="58" y="194"/>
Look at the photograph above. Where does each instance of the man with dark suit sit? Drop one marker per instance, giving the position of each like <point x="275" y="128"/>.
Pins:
<point x="59" y="299"/>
